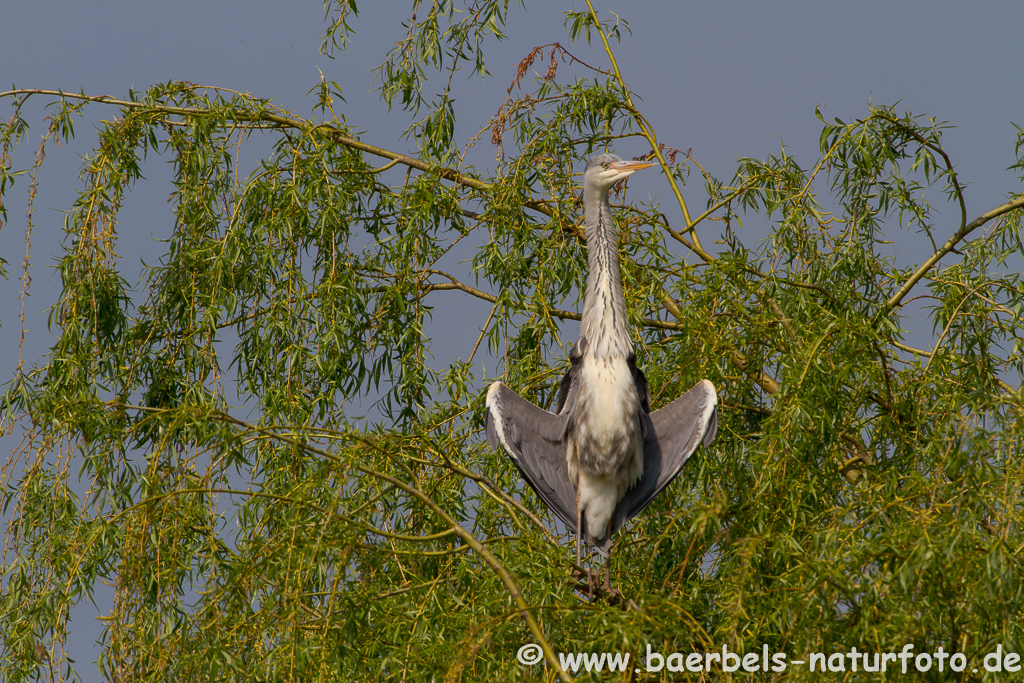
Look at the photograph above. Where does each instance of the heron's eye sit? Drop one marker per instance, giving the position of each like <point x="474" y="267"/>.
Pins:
<point x="605" y="165"/>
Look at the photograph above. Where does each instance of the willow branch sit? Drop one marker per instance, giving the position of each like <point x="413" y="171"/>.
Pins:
<point x="760" y="377"/>
<point x="496" y="492"/>
<point x="452" y="175"/>
<point x="497" y="567"/>
<point x="935" y="148"/>
<point x="948" y="247"/>
<point x="336" y="134"/>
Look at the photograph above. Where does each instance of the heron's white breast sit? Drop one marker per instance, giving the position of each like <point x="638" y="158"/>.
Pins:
<point x="610" y="400"/>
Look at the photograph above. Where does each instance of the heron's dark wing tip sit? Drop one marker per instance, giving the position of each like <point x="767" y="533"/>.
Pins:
<point x="712" y="429"/>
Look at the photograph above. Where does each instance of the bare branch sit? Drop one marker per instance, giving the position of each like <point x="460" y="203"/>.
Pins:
<point x="948" y="247"/>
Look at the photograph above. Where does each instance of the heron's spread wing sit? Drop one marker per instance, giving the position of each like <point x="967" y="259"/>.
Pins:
<point x="536" y="441"/>
<point x="671" y="436"/>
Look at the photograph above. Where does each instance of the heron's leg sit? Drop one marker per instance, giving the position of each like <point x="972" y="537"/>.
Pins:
<point x="579" y="542"/>
<point x="579" y="537"/>
<point x="608" y="564"/>
<point x="579" y="521"/>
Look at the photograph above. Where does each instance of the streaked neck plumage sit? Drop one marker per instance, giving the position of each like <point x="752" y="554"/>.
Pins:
<point x="604" y="321"/>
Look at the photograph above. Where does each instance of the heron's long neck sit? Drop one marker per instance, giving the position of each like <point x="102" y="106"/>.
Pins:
<point x="604" y="321"/>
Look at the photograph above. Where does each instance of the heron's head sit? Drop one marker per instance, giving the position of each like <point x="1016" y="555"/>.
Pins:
<point x="604" y="170"/>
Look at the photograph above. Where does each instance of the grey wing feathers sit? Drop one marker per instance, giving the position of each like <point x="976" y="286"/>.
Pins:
<point x="672" y="435"/>
<point x="536" y="441"/>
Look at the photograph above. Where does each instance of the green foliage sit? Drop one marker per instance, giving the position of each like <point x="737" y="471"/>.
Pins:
<point x="861" y="492"/>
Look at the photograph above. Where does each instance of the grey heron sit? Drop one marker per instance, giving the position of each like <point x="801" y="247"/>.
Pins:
<point x="602" y="456"/>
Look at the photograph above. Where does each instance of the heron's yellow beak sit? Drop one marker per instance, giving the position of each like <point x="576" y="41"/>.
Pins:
<point x="632" y="166"/>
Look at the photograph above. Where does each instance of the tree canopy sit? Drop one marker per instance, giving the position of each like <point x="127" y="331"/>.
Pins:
<point x="188" y="437"/>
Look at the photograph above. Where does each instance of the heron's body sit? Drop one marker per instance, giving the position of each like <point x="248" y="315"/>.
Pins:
<point x="601" y="457"/>
<point x="605" y="452"/>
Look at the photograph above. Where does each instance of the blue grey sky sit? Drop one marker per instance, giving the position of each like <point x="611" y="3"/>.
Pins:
<point x="725" y="79"/>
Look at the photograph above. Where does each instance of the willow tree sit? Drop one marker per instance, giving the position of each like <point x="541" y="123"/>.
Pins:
<point x="861" y="493"/>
